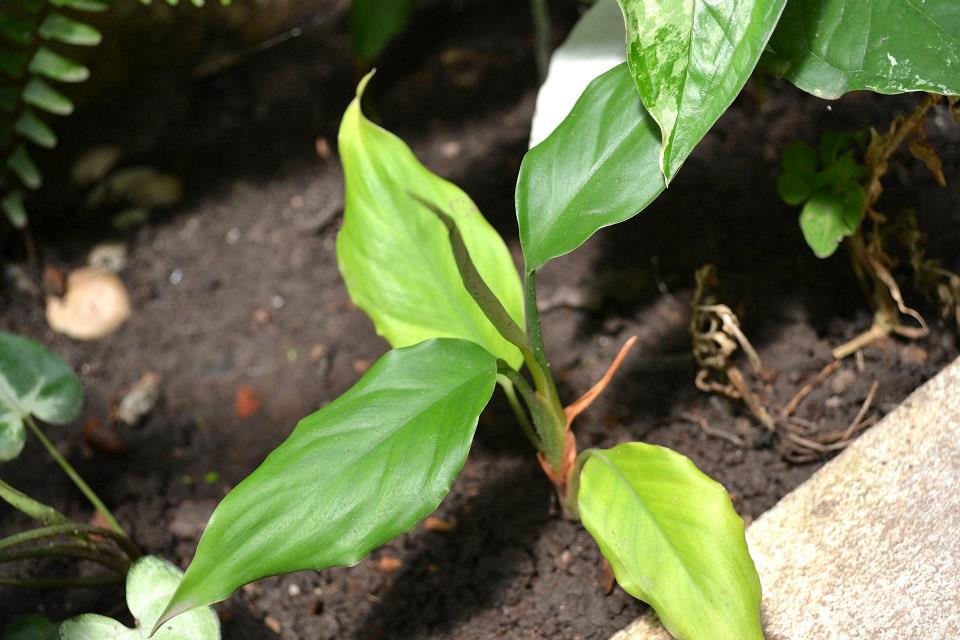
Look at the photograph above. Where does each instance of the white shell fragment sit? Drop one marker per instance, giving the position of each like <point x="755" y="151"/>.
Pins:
<point x="95" y="305"/>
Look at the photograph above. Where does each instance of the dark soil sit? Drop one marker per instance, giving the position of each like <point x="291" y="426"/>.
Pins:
<point x="257" y="301"/>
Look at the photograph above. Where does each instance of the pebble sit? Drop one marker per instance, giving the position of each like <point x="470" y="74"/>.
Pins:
<point x="842" y="381"/>
<point x="190" y="519"/>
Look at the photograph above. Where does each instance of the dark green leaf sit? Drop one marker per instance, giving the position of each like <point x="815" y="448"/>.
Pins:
<point x="353" y="475"/>
<point x="59" y="27"/>
<point x="12" y="205"/>
<point x="56" y="67"/>
<point x="23" y="166"/>
<point x="690" y="59"/>
<point x="395" y="255"/>
<point x="373" y="23"/>
<point x="31" y="627"/>
<point x="34" y="129"/>
<point x="597" y="168"/>
<point x="39" y="94"/>
<point x="799" y="158"/>
<point x="673" y="539"/>
<point x="33" y="381"/>
<point x="830" y="47"/>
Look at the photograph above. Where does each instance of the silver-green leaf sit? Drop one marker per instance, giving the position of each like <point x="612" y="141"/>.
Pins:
<point x="690" y="58"/>
<point x="33" y="381"/>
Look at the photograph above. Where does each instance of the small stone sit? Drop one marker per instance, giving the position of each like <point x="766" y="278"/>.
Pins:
<point x="109" y="256"/>
<point x="190" y="519"/>
<point x="140" y="399"/>
<point x="95" y="304"/>
<point x="273" y="624"/>
<point x="233" y="236"/>
<point x="913" y="354"/>
<point x="323" y="148"/>
<point x="834" y="402"/>
<point x="293" y="590"/>
<point x="450" y="149"/>
<point x="842" y="381"/>
<point x="361" y="365"/>
<point x="388" y="564"/>
<point x="296" y="202"/>
<point x="439" y="525"/>
<point x="261" y="316"/>
<point x="563" y="561"/>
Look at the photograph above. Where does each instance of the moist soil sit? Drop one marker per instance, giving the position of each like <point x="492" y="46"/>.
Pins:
<point x="236" y="290"/>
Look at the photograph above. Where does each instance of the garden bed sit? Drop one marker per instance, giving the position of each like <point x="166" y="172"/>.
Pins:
<point x="238" y="288"/>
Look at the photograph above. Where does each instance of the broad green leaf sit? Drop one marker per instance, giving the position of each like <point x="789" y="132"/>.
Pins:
<point x="33" y="381"/>
<point x="39" y="94"/>
<point x="395" y="254"/>
<point x="36" y="130"/>
<point x="12" y="205"/>
<point x="799" y="167"/>
<point x="150" y="584"/>
<point x="31" y="627"/>
<point x="26" y="169"/>
<point x="690" y="58"/>
<point x="829" y="216"/>
<point x="54" y="66"/>
<point x="673" y="540"/>
<point x="597" y="168"/>
<point x="59" y="27"/>
<point x="351" y="476"/>
<point x="373" y="23"/>
<point x="830" y="47"/>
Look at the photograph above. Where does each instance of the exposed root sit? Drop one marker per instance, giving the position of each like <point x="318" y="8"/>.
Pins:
<point x="701" y="422"/>
<point x="716" y="335"/>
<point x="803" y="446"/>
<point x="871" y="261"/>
<point x="580" y="405"/>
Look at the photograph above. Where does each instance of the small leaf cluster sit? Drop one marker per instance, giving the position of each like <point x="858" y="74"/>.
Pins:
<point x="32" y="36"/>
<point x="30" y="65"/>
<point x="827" y="182"/>
<point x="150" y="583"/>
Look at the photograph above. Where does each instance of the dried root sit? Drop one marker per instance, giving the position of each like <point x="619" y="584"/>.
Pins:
<point x="716" y="334"/>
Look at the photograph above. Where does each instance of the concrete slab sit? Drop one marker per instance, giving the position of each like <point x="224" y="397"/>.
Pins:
<point x="869" y="547"/>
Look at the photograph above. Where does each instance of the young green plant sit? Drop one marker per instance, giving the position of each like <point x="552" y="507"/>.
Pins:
<point x="440" y="286"/>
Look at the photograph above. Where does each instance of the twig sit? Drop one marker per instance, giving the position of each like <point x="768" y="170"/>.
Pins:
<point x="700" y="421"/>
<point x="808" y="388"/>
<point x="863" y="410"/>
<point x="749" y="397"/>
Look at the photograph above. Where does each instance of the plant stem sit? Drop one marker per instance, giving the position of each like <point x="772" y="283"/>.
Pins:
<point x="522" y="419"/>
<point x="72" y="529"/>
<point x="60" y="583"/>
<point x="36" y="510"/>
<point x="552" y="423"/>
<point x="541" y="34"/>
<point x="69" y="550"/>
<point x="75" y="477"/>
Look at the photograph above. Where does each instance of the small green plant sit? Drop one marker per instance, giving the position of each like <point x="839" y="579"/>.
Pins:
<point x="32" y="32"/>
<point x="150" y="583"/>
<point x="36" y="385"/>
<point x="441" y="287"/>
<point x="826" y="182"/>
<point x="839" y="193"/>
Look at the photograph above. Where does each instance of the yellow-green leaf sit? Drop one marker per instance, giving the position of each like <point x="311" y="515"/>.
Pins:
<point x="673" y="539"/>
<point x="395" y="255"/>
